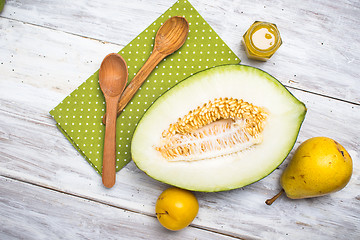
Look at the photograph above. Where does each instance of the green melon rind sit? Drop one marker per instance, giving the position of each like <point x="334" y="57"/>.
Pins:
<point x="190" y="81"/>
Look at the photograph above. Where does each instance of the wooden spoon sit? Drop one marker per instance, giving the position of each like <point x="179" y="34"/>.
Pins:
<point x="113" y="75"/>
<point x="169" y="38"/>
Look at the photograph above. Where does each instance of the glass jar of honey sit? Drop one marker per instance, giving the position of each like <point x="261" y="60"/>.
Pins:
<point x="261" y="40"/>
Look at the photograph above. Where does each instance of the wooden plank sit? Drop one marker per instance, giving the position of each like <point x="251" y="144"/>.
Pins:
<point x="45" y="58"/>
<point x="31" y="212"/>
<point x="319" y="53"/>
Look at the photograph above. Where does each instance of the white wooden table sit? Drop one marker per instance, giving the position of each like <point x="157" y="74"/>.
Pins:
<point x="48" y="190"/>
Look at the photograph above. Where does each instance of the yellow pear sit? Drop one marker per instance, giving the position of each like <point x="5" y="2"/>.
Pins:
<point x="319" y="166"/>
<point x="176" y="208"/>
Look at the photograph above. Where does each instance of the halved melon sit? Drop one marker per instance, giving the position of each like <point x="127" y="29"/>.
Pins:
<point x="220" y="129"/>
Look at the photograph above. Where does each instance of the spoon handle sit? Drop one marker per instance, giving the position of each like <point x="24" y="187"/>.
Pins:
<point x="109" y="155"/>
<point x="154" y="59"/>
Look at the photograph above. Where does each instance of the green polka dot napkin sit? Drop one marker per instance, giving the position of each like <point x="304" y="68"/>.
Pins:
<point x="79" y="115"/>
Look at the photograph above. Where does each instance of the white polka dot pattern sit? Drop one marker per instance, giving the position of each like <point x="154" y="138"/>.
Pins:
<point x="79" y="116"/>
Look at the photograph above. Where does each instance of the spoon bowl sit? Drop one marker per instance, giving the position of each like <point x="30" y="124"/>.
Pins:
<point x="171" y="35"/>
<point x="113" y="75"/>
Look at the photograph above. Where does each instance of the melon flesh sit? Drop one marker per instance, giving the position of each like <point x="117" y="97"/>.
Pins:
<point x="227" y="168"/>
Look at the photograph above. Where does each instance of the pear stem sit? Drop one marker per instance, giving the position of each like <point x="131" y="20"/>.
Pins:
<point x="271" y="200"/>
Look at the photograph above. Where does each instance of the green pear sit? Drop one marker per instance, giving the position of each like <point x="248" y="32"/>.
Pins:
<point x="319" y="166"/>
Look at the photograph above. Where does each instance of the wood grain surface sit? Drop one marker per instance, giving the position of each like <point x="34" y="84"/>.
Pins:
<point x="48" y="190"/>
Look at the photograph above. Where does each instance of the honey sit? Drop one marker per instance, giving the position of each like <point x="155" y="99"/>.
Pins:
<point x="261" y="40"/>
